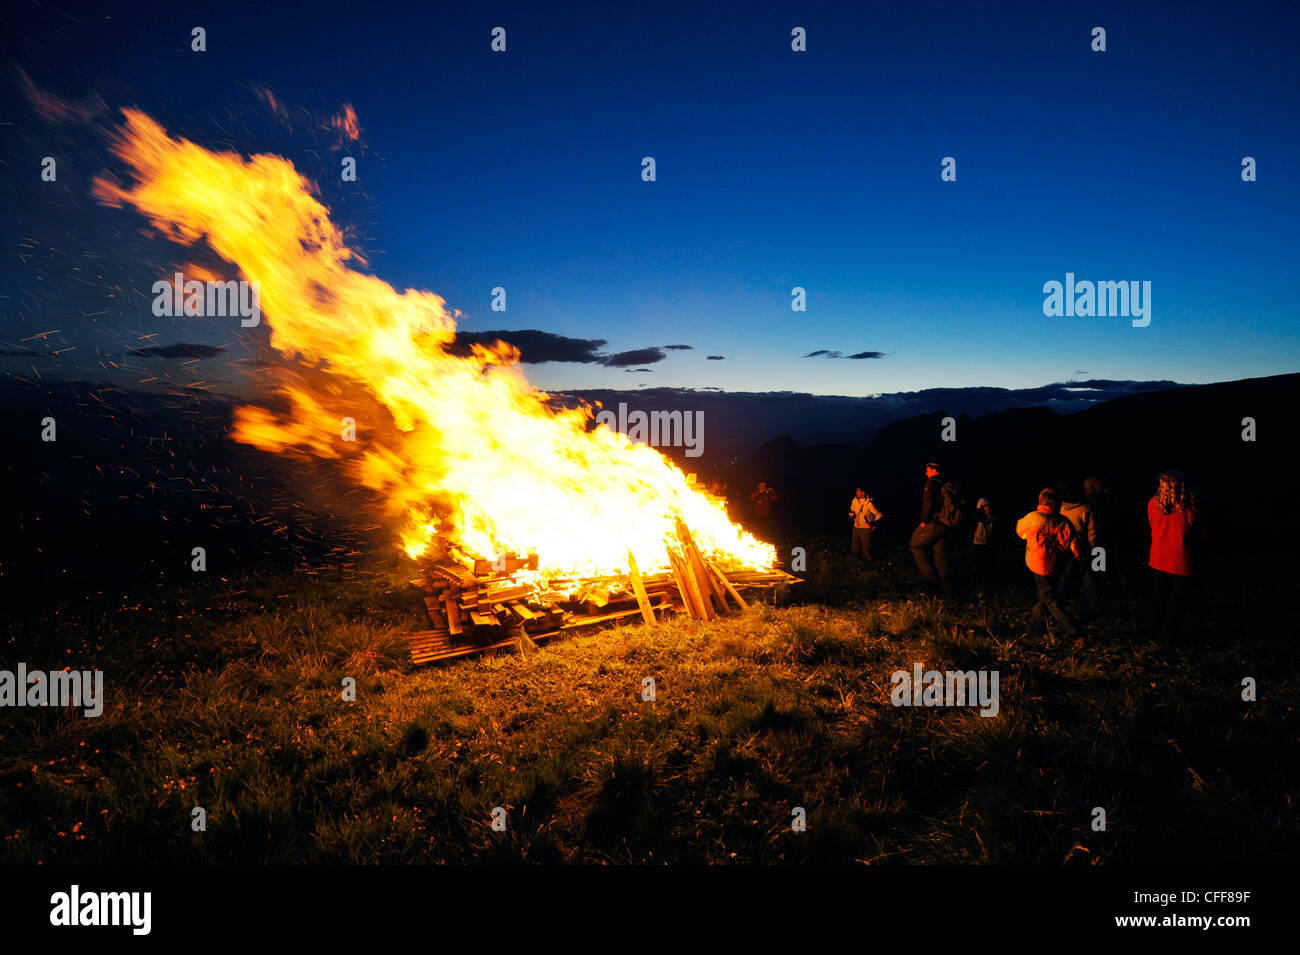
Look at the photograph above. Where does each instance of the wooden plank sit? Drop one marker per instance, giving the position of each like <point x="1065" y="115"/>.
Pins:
<point x="506" y="594"/>
<point x="484" y="568"/>
<point x="691" y="591"/>
<point x="695" y="567"/>
<point x="522" y="611"/>
<point x="435" y="613"/>
<point x="682" y="590"/>
<point x="453" y="615"/>
<point x="577" y="623"/>
<point x="454" y="652"/>
<point x="638" y="588"/>
<point x="595" y="598"/>
<point x="735" y="594"/>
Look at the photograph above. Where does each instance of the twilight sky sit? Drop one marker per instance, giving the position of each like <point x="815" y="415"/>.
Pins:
<point x="775" y="169"/>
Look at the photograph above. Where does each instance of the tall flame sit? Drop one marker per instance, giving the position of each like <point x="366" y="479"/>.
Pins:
<point x="467" y="451"/>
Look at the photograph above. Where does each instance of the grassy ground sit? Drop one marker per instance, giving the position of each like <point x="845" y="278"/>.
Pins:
<point x="231" y="701"/>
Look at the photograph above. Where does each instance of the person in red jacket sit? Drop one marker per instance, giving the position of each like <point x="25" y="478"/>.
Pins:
<point x="1051" y="545"/>
<point x="1176" y="535"/>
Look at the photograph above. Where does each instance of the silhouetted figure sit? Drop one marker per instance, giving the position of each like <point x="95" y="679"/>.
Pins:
<point x="763" y="497"/>
<point x="1081" y="514"/>
<point x="1112" y="535"/>
<point x="930" y="540"/>
<point x="1177" y="533"/>
<point x="865" y="514"/>
<point x="1050" y="545"/>
<point x="984" y="541"/>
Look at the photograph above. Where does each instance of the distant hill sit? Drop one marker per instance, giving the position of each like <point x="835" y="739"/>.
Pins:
<point x="735" y="423"/>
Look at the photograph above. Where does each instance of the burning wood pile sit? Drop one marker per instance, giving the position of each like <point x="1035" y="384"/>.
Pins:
<point x="468" y="457"/>
<point x="483" y="606"/>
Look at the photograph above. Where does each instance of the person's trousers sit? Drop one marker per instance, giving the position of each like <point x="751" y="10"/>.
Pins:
<point x="1071" y="576"/>
<point x="1049" y="603"/>
<point x="930" y="551"/>
<point x="1169" y="593"/>
<point x="861" y="542"/>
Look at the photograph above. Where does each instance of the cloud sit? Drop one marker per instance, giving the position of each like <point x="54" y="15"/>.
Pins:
<point x="28" y="353"/>
<point x="535" y="347"/>
<point x="179" y="350"/>
<point x="679" y="347"/>
<point x="637" y="356"/>
<point x="639" y="371"/>
<point x="827" y="353"/>
<point x="538" y="347"/>
<point x="716" y="358"/>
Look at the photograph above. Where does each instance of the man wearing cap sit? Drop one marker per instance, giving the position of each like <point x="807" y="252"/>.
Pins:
<point x="930" y="539"/>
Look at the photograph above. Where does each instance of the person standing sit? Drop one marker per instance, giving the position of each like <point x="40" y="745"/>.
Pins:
<point x="1102" y="518"/>
<point x="763" y="496"/>
<point x="983" y="539"/>
<point x="930" y="539"/>
<point x="865" y="514"/>
<point x="1081" y="514"/>
<point x="1050" y="545"/>
<point x="1177" y="533"/>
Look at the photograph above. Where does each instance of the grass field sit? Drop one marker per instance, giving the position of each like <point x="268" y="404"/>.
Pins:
<point x="228" y="696"/>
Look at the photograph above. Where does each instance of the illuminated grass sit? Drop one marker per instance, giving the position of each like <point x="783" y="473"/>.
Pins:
<point x="232" y="702"/>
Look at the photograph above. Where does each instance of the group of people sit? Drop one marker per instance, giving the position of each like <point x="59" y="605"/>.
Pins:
<point x="1066" y="545"/>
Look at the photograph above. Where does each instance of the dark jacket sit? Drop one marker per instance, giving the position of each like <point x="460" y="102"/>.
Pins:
<point x="931" y="500"/>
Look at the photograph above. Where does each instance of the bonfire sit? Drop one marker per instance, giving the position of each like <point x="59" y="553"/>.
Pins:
<point x="518" y="512"/>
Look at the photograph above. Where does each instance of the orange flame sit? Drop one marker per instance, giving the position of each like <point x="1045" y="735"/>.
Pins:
<point x="466" y="451"/>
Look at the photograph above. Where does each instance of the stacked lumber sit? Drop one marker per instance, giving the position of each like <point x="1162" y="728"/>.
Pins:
<point x="481" y="606"/>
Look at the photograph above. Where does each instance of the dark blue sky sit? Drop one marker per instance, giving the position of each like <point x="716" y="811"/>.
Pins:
<point x="775" y="169"/>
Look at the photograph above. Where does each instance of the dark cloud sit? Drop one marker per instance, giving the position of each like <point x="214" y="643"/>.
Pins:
<point x="716" y="358"/>
<point x="827" y="353"/>
<point x="179" y="350"/>
<point x="22" y="354"/>
<point x="637" y="356"/>
<point x="679" y="347"/>
<point x="639" y="371"/>
<point x="538" y="347"/>
<point x="535" y="347"/>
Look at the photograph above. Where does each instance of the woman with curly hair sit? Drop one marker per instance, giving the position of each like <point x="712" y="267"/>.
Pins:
<point x="1177" y="532"/>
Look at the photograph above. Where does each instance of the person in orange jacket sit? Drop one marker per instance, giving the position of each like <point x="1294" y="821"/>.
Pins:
<point x="1051" y="544"/>
<point x="1177" y="532"/>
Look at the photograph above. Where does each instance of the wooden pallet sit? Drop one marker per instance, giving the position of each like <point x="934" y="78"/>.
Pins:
<point x="479" y="606"/>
